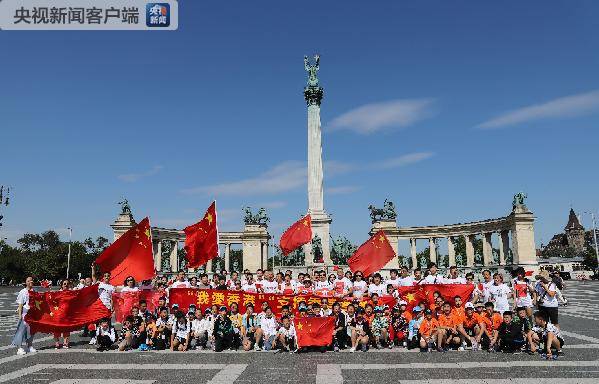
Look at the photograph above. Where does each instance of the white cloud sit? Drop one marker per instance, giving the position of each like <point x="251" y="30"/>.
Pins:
<point x="291" y="175"/>
<point x="403" y="160"/>
<point x="569" y="106"/>
<point x="342" y="190"/>
<point x="371" y="118"/>
<point x="281" y="178"/>
<point x="133" y="177"/>
<point x="272" y="204"/>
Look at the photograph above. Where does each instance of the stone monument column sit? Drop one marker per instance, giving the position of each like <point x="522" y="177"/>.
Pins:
<point x="321" y="221"/>
<point x="523" y="237"/>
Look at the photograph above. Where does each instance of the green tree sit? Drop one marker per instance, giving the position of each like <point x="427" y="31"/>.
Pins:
<point x="44" y="255"/>
<point x="12" y="266"/>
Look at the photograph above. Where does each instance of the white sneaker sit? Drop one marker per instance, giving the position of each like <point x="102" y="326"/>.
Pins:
<point x="92" y="341"/>
<point x="32" y="350"/>
<point x="21" y="351"/>
<point x="352" y="349"/>
<point x="460" y="348"/>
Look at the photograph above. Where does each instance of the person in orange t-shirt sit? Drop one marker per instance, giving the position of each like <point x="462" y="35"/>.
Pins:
<point x="428" y="330"/>
<point x="448" y="333"/>
<point x="458" y="310"/>
<point x="492" y="320"/>
<point x="471" y="328"/>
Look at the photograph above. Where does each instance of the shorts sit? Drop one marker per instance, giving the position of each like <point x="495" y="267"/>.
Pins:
<point x="551" y="313"/>
<point x="181" y="340"/>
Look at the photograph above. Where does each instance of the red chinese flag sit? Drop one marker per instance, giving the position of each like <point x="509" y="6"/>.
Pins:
<point x="447" y="291"/>
<point x="201" y="239"/>
<point x="64" y="311"/>
<point x="314" y="331"/>
<point x="372" y="255"/>
<point x="129" y="255"/>
<point x="298" y="234"/>
<point x="413" y="295"/>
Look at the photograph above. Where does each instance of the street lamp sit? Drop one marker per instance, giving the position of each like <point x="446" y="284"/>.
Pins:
<point x="594" y="234"/>
<point x="69" y="254"/>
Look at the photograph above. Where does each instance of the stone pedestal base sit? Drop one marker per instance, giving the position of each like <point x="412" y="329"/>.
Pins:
<point x="122" y="224"/>
<point x="321" y="222"/>
<point x="390" y="228"/>
<point x="255" y="246"/>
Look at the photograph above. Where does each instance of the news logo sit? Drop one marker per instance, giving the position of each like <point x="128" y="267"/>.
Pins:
<point x="158" y="14"/>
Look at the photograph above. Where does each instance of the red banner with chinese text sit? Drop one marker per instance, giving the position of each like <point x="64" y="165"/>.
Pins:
<point x="204" y="298"/>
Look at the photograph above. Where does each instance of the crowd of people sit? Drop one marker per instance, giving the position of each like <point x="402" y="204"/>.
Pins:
<point x="520" y="315"/>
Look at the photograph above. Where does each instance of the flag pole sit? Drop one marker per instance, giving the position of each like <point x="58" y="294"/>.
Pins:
<point x="69" y="254"/>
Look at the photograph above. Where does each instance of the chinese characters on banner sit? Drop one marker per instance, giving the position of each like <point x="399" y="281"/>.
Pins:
<point x="204" y="298"/>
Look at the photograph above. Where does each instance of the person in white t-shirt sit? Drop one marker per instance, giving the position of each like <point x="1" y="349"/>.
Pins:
<point x="129" y="285"/>
<point x="433" y="276"/>
<point x="181" y="282"/>
<point x="487" y="282"/>
<point x="394" y="279"/>
<point x="453" y="277"/>
<point x="286" y="336"/>
<point x="23" y="333"/>
<point x="359" y="286"/>
<point x="406" y="280"/>
<point x="270" y="285"/>
<point x="546" y="293"/>
<point x="105" y="289"/>
<point x="377" y="286"/>
<point x="341" y="285"/>
<point x="499" y="294"/>
<point x="523" y="291"/>
<point x="249" y="285"/>
<point x="268" y="325"/>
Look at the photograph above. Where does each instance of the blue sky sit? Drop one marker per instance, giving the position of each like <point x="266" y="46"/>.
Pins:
<point x="446" y="108"/>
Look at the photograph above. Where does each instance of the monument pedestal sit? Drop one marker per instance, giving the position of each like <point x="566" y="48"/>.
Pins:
<point x="255" y="246"/>
<point x="122" y="224"/>
<point x="390" y="228"/>
<point x="321" y="222"/>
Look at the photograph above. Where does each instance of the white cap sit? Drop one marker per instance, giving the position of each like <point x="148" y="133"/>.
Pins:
<point x="469" y="305"/>
<point x="403" y="302"/>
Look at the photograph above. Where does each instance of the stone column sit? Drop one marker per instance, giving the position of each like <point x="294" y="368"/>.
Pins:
<point x="504" y="246"/>
<point x="413" y="253"/>
<point x="321" y="221"/>
<point x="208" y="266"/>
<point x="523" y="237"/>
<point x="487" y="248"/>
<point x="432" y="246"/>
<point x="173" y="257"/>
<point x="469" y="250"/>
<point x="451" y="251"/>
<point x="157" y="250"/>
<point x="227" y="257"/>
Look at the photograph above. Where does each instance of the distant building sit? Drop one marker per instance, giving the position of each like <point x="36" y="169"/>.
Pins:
<point x="571" y="241"/>
<point x="575" y="232"/>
